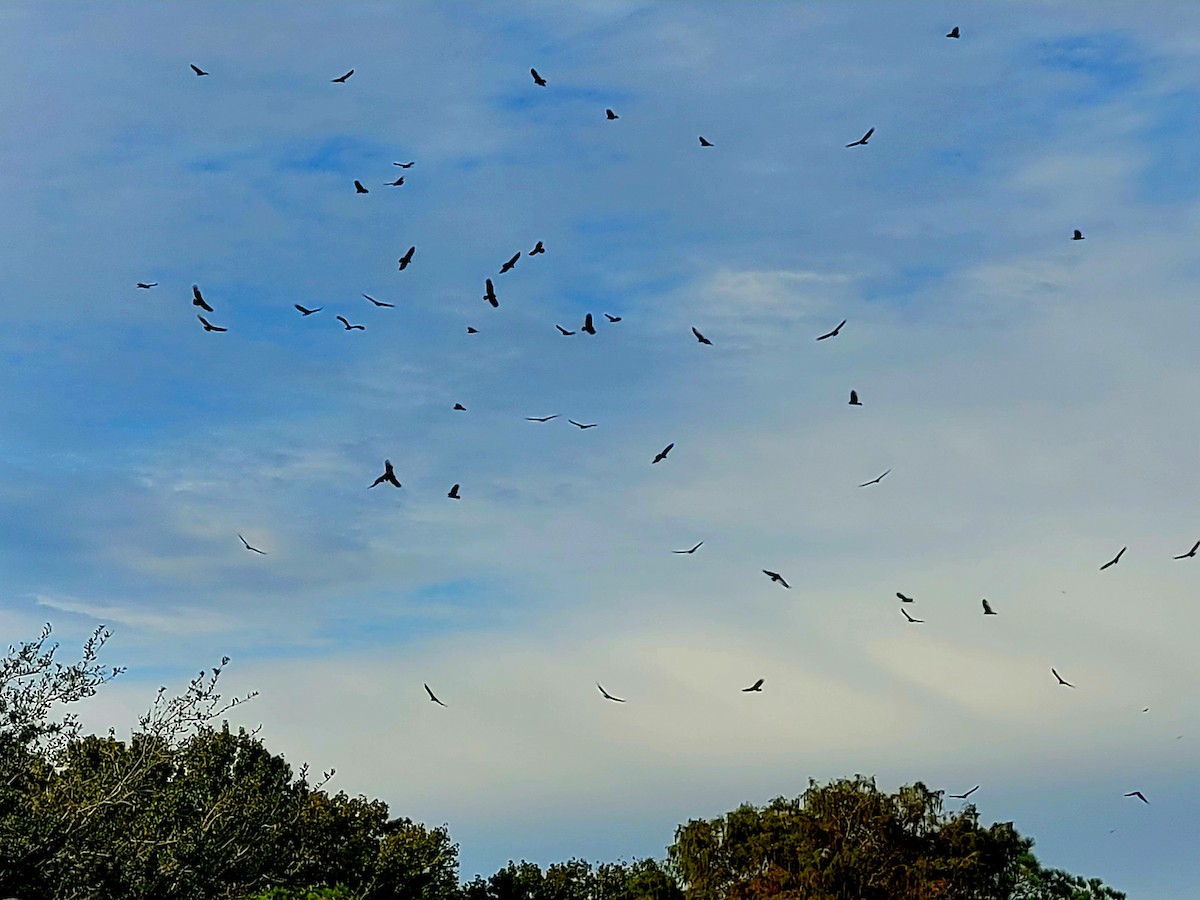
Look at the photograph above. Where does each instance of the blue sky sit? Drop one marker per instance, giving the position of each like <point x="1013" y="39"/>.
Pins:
<point x="1034" y="397"/>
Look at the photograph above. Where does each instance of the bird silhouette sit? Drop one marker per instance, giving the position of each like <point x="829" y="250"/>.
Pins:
<point x="307" y="312"/>
<point x="198" y="299"/>
<point x="910" y="618"/>
<point x="854" y="399"/>
<point x="342" y="79"/>
<point x="1190" y="553"/>
<point x="581" y="426"/>
<point x="1116" y="559"/>
<point x="208" y="326"/>
<point x="542" y="419"/>
<point x="1139" y="795"/>
<point x="701" y="338"/>
<point x="904" y="599"/>
<point x="379" y="302"/>
<point x="538" y="248"/>
<point x="610" y="115"/>
<point x="833" y="333"/>
<point x="612" y="318"/>
<point x="1077" y="236"/>
<point x="776" y="577"/>
<point x="1060" y="679"/>
<point x="537" y="79"/>
<point x="358" y="187"/>
<point x="587" y="326"/>
<point x="407" y="258"/>
<point x="490" y="295"/>
<point x="987" y="609"/>
<point x="407" y="165"/>
<point x="963" y="796"/>
<point x="453" y="495"/>
<point x="460" y="407"/>
<point x="399" y="181"/>
<point x="662" y="454"/>
<point x="705" y="143"/>
<point x="693" y="550"/>
<point x="198" y="70"/>
<point x="251" y="549"/>
<point x="432" y="697"/>
<point x="954" y="32"/>
<point x="144" y="286"/>
<point x="608" y="696"/>
<point x="862" y="141"/>
<point x="350" y="327"/>
<point x="389" y="475"/>
<point x="563" y="330"/>
<point x="874" y="480"/>
<point x="507" y="267"/>
<point x="756" y="687"/>
<point x="471" y="330"/>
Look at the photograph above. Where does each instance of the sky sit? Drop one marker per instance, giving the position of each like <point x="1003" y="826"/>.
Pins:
<point x="1032" y="396"/>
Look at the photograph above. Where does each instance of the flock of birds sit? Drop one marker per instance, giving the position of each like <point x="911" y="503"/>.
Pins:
<point x="588" y="327"/>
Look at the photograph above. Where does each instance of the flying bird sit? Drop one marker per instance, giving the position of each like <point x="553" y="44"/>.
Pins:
<point x="704" y="143"/>
<point x="612" y="318"/>
<point x="1139" y="795"/>
<point x="471" y="330"/>
<point x="399" y="181"/>
<point x="693" y="550"/>
<point x="198" y="300"/>
<point x="756" y="687"/>
<point x="874" y="480"/>
<point x="379" y="302"/>
<point x="358" y="187"/>
<point x="342" y="79"/>
<point x="538" y="248"/>
<point x="460" y="407"/>
<point x="987" y="609"/>
<point x="963" y="796"/>
<point x="407" y="258"/>
<point x="904" y="599"/>
<point x="433" y="698"/>
<point x="1077" y="236"/>
<point x="588" y="327"/>
<point x="350" y="327"/>
<point x="854" y="399"/>
<point x="954" y="32"/>
<point x="862" y="141"/>
<point x="1060" y="679"/>
<point x="833" y="333"/>
<point x="453" y="495"/>
<point x="537" y="79"/>
<point x="251" y="549"/>
<point x="776" y="577"/>
<point x="307" y="312"/>
<point x="610" y="115"/>
<point x="1190" y="553"/>
<point x="563" y="330"/>
<point x="662" y="454"/>
<point x="701" y="338"/>
<point x="198" y="70"/>
<point x="1116" y="559"/>
<point x="389" y="475"/>
<point x="208" y="326"/>
<point x="608" y="696"/>
<point x="542" y="419"/>
<point x="407" y="165"/>
<point x="490" y="295"/>
<point x="910" y="618"/>
<point x="145" y="286"/>
<point x="581" y="426"/>
<point x="507" y="267"/>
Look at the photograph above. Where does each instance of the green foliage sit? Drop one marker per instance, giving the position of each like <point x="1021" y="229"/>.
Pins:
<point x="576" y="879"/>
<point x="339" y="892"/>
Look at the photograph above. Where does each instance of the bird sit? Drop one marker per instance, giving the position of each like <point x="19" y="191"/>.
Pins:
<point x="198" y="299"/>
<point x="608" y="696"/>
<point x="399" y="181"/>
<point x="407" y="258"/>
<point x="610" y="115"/>
<point x="144" y="286"/>
<point x="874" y="480"/>
<point x="693" y="550"/>
<point x="776" y="577"/>
<point x="358" y="187"/>
<point x="379" y="302"/>
<point x="307" y="312"/>
<point x="1060" y="679"/>
<point x="1190" y="553"/>
<point x="460" y="407"/>
<point x="208" y="326"/>
<point x="833" y="333"/>
<point x="563" y="330"/>
<point x="432" y="697"/>
<point x="954" y="32"/>
<point x="910" y="618"/>
<point x="705" y="143"/>
<point x="581" y="426"/>
<point x="471" y="330"/>
<point x="987" y="609"/>
<point x="453" y="495"/>
<point x="612" y="318"/>
<point x="251" y="549"/>
<point x="662" y="454"/>
<point x="507" y="267"/>
<point x="756" y="687"/>
<point x="490" y="295"/>
<point x="862" y="141"/>
<point x="1116" y="559"/>
<point x="1139" y="795"/>
<point x="389" y="475"/>
<point x="538" y="248"/>
<point x="198" y="70"/>
<point x="588" y="327"/>
<point x="701" y="338"/>
<point x="542" y="419"/>
<point x="342" y="78"/>
<point x="537" y="79"/>
<point x="904" y="599"/>
<point x="854" y="399"/>
<point x="407" y="165"/>
<point x="963" y="796"/>
<point x="350" y="327"/>
<point x="1077" y="236"/>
